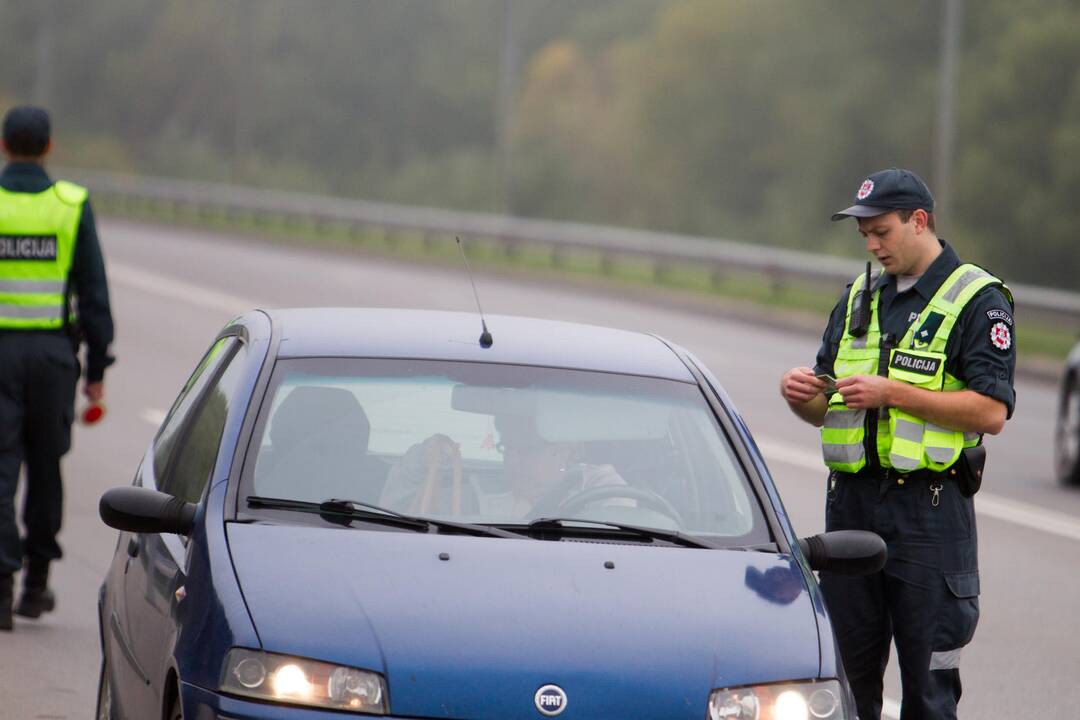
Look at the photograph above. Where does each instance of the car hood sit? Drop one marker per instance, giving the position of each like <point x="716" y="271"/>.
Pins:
<point x="477" y="634"/>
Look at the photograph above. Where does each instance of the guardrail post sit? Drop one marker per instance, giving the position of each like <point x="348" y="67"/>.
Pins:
<point x="607" y="263"/>
<point x="777" y="281"/>
<point x="430" y="241"/>
<point x="511" y="249"/>
<point x="662" y="271"/>
<point x="716" y="277"/>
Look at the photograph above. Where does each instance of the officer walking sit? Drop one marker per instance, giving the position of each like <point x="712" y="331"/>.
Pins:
<point x="923" y="359"/>
<point x="49" y="252"/>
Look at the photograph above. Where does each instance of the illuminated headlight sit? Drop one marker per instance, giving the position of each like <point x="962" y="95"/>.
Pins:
<point x="784" y="701"/>
<point x="299" y="681"/>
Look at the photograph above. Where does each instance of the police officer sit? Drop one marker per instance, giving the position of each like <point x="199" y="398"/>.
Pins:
<point x="923" y="365"/>
<point x="50" y="266"/>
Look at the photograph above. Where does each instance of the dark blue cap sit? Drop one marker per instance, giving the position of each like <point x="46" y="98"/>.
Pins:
<point x="887" y="190"/>
<point x="26" y="130"/>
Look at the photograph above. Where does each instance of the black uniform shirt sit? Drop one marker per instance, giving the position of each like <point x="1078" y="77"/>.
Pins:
<point x="981" y="349"/>
<point x="87" y="270"/>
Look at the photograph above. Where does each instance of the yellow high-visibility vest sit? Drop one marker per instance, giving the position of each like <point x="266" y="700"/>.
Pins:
<point x="37" y="247"/>
<point x="904" y="442"/>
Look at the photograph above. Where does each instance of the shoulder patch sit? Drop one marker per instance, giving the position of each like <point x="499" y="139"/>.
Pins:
<point x="997" y="315"/>
<point x="1001" y="336"/>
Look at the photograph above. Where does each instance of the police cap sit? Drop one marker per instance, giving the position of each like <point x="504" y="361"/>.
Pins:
<point x="887" y="190"/>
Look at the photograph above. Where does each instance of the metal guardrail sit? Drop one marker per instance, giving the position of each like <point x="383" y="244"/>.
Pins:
<point x="780" y="265"/>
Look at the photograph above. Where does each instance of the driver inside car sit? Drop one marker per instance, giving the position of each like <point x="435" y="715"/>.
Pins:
<point x="539" y="474"/>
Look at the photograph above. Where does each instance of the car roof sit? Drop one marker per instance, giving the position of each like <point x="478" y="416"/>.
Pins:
<point x="440" y="335"/>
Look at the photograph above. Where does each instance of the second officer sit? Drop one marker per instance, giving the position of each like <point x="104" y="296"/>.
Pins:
<point x="53" y="295"/>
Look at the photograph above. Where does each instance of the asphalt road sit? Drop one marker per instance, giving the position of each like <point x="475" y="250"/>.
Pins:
<point x="173" y="289"/>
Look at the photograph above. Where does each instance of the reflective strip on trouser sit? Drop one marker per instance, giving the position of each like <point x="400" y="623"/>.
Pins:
<point x="54" y="287"/>
<point x="841" y="438"/>
<point x="945" y="659"/>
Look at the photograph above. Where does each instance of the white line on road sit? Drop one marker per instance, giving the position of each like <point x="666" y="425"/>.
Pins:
<point x="987" y="504"/>
<point x="179" y="290"/>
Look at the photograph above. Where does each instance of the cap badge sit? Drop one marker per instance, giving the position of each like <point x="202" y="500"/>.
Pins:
<point x="1000" y="336"/>
<point x="865" y="189"/>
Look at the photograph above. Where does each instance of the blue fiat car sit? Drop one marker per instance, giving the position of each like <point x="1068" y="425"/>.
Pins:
<point x="379" y="512"/>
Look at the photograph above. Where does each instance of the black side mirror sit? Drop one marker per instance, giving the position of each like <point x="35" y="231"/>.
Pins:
<point x="142" y="510"/>
<point x="845" y="552"/>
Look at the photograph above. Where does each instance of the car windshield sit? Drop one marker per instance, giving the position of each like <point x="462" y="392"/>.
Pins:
<point x="500" y="444"/>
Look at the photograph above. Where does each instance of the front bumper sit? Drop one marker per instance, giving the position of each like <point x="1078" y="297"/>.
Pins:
<point x="200" y="704"/>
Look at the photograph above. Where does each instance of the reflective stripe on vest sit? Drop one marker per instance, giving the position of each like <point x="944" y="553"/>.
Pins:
<point x="37" y="247"/>
<point x="843" y="430"/>
<point x="905" y="442"/>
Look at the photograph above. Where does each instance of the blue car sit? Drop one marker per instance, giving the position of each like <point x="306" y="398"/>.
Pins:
<point x="378" y="512"/>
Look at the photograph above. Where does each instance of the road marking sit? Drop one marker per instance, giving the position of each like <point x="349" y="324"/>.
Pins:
<point x="153" y="416"/>
<point x="987" y="504"/>
<point x="179" y="290"/>
<point x="890" y="709"/>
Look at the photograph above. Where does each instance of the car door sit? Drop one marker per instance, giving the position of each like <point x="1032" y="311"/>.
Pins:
<point x="184" y="454"/>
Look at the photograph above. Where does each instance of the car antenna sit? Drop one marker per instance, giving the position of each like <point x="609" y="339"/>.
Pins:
<point x="485" y="336"/>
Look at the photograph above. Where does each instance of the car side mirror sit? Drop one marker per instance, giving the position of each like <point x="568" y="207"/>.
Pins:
<point x="845" y="552"/>
<point x="142" y="510"/>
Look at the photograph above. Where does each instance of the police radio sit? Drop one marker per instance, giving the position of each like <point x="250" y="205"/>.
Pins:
<point x="860" y="313"/>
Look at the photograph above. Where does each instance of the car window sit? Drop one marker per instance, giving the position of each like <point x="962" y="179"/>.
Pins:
<point x="500" y="444"/>
<point x="176" y="420"/>
<point x="197" y="450"/>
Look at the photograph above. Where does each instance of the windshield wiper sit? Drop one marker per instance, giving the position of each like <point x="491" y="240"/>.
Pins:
<point x="358" y="510"/>
<point x="561" y="525"/>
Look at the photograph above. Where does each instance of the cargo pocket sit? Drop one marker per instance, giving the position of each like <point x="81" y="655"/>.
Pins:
<point x="958" y="615"/>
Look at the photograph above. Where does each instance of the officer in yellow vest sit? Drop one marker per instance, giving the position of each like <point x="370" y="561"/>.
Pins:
<point x="923" y="366"/>
<point x="53" y="295"/>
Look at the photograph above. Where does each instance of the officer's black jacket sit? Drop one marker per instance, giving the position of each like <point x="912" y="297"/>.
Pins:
<point x="971" y="354"/>
<point x="87" y="279"/>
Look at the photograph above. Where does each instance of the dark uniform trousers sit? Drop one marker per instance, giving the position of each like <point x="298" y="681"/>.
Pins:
<point x="925" y="599"/>
<point x="38" y="375"/>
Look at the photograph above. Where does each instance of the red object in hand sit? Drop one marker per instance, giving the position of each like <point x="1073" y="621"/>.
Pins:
<point x="92" y="413"/>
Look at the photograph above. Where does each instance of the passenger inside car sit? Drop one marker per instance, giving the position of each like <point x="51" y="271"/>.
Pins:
<point x="319" y="449"/>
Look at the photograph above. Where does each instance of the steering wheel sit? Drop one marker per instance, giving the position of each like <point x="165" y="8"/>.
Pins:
<point x="646" y="498"/>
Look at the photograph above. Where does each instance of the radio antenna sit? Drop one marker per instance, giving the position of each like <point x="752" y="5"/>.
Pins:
<point x="485" y="336"/>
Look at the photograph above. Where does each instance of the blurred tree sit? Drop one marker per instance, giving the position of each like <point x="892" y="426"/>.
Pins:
<point x="1019" y="171"/>
<point x="730" y="118"/>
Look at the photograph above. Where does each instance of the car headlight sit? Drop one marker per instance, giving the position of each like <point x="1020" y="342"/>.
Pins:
<point x="287" y="679"/>
<point x="783" y="701"/>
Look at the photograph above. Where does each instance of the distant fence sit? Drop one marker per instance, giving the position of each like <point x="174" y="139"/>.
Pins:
<point x="779" y="265"/>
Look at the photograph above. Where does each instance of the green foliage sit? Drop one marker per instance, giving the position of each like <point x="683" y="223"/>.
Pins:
<point x="731" y="118"/>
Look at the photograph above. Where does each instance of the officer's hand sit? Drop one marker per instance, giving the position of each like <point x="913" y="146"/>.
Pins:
<point x="864" y="392"/>
<point x="94" y="391"/>
<point x="799" y="385"/>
